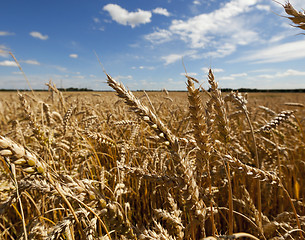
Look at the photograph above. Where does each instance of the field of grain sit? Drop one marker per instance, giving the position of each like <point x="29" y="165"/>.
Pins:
<point x="160" y="165"/>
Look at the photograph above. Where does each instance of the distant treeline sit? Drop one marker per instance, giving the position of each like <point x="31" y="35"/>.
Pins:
<point x="242" y="90"/>
<point x="262" y="90"/>
<point x="71" y="89"/>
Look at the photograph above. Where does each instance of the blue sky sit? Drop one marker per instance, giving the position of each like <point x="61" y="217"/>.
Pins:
<point x="141" y="43"/>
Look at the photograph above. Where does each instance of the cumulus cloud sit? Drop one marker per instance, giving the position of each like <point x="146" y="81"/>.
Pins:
<point x="222" y="21"/>
<point x="161" y="11"/>
<point x="4" y="33"/>
<point x="39" y="35"/>
<point x="8" y="63"/>
<point x="73" y="55"/>
<point x="220" y="31"/>
<point x="122" y="16"/>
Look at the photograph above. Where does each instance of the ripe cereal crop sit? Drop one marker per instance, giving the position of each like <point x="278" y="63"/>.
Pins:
<point x="157" y="165"/>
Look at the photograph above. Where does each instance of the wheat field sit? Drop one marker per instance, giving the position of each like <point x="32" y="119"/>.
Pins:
<point x="164" y="165"/>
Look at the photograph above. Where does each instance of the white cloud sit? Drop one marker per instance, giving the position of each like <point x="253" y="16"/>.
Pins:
<point x="263" y="7"/>
<point x="73" y="55"/>
<point x="161" y="11"/>
<point x="120" y="77"/>
<point x="4" y="33"/>
<point x="232" y="76"/>
<point x="31" y="62"/>
<point x="220" y="31"/>
<point x="239" y="75"/>
<point x="39" y="35"/>
<point x="287" y="73"/>
<point x="146" y="67"/>
<point x="221" y="22"/>
<point x="159" y="36"/>
<point x="171" y="58"/>
<point x="266" y="76"/>
<point x="196" y="2"/>
<point x="189" y="74"/>
<point x="280" y="53"/>
<point x="292" y="72"/>
<point x="277" y="38"/>
<point x="8" y="63"/>
<point x="222" y="50"/>
<point x="122" y="16"/>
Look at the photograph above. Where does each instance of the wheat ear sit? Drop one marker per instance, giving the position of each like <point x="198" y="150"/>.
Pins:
<point x="198" y="118"/>
<point x="297" y="18"/>
<point x="39" y="134"/>
<point x="221" y="114"/>
<point x="146" y="114"/>
<point x="14" y="154"/>
<point x="201" y="135"/>
<point x="275" y="122"/>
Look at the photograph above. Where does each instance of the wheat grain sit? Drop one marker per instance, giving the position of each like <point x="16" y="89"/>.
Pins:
<point x="14" y="153"/>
